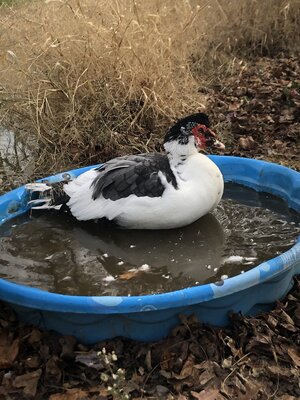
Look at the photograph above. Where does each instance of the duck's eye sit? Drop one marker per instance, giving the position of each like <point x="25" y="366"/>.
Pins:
<point x="200" y="129"/>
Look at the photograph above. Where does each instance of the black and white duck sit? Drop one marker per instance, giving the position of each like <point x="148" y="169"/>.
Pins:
<point x="146" y="191"/>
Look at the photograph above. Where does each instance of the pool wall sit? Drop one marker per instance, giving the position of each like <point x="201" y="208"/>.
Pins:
<point x="151" y="317"/>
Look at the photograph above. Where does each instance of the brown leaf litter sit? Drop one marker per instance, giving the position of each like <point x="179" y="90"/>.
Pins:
<point x="257" y="110"/>
<point x="254" y="358"/>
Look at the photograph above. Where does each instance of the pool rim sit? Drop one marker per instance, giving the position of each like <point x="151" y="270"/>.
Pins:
<point x="256" y="177"/>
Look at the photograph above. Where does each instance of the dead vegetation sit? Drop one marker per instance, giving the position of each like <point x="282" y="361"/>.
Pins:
<point x="90" y="79"/>
<point x="257" y="109"/>
<point x="239" y="31"/>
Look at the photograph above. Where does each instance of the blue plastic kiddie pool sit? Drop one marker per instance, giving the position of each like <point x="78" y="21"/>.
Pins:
<point x="151" y="317"/>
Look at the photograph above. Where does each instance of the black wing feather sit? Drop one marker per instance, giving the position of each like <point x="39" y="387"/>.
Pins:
<point x="123" y="176"/>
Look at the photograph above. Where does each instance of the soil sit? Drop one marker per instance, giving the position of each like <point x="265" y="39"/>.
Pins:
<point x="257" y="110"/>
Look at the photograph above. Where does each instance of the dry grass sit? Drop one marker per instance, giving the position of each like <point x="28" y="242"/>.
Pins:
<point x="243" y="29"/>
<point x="94" y="79"/>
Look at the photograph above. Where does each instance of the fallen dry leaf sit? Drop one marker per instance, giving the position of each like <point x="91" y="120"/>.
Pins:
<point x="28" y="382"/>
<point x="210" y="394"/>
<point x="234" y="106"/>
<point x="129" y="275"/>
<point x="68" y="343"/>
<point x="294" y="354"/>
<point x="9" y="350"/>
<point x="72" y="394"/>
<point x="187" y="369"/>
<point x="297" y="316"/>
<point x="91" y="360"/>
<point x="279" y="371"/>
<point x="247" y="143"/>
<point x="35" y="336"/>
<point x="33" y="362"/>
<point x="53" y="370"/>
<point x="182" y="397"/>
<point x="210" y="371"/>
<point x="148" y="360"/>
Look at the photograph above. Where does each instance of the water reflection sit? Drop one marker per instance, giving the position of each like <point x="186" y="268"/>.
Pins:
<point x="183" y="252"/>
<point x="15" y="159"/>
<point x="56" y="253"/>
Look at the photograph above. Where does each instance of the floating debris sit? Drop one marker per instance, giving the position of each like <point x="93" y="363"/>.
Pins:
<point x="238" y="259"/>
<point x="219" y="283"/>
<point x="109" y="278"/>
<point x="233" y="260"/>
<point x="67" y="278"/>
<point x="144" y="267"/>
<point x="223" y="277"/>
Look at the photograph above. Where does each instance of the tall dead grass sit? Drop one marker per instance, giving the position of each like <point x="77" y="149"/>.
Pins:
<point x="89" y="79"/>
<point x="245" y="29"/>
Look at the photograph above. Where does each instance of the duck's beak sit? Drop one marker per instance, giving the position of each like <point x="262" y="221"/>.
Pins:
<point x="219" y="145"/>
<point x="216" y="143"/>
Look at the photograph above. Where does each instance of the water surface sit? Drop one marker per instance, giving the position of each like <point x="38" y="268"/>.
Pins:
<point x="16" y="159"/>
<point x="57" y="253"/>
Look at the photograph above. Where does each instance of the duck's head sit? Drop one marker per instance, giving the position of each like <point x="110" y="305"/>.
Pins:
<point x="192" y="132"/>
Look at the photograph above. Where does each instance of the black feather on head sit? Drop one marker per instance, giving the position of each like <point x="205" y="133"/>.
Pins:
<point x="183" y="127"/>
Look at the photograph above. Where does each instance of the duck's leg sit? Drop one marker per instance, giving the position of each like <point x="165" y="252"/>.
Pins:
<point x="47" y="196"/>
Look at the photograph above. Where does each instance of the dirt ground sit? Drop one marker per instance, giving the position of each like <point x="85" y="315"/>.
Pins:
<point x="257" y="111"/>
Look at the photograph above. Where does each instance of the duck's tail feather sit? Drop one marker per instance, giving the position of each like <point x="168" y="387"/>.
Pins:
<point x="48" y="196"/>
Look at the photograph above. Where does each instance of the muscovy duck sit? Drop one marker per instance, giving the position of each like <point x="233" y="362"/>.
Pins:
<point x="146" y="191"/>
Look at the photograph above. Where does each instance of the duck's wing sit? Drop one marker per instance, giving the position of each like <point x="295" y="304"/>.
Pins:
<point x="141" y="175"/>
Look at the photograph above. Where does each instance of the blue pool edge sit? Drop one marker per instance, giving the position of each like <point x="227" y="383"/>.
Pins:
<point x="150" y="317"/>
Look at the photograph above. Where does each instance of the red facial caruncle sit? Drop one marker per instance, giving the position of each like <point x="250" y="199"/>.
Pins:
<point x="205" y="137"/>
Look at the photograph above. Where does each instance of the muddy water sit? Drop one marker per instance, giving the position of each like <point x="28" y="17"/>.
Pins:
<point x="16" y="159"/>
<point x="57" y="253"/>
